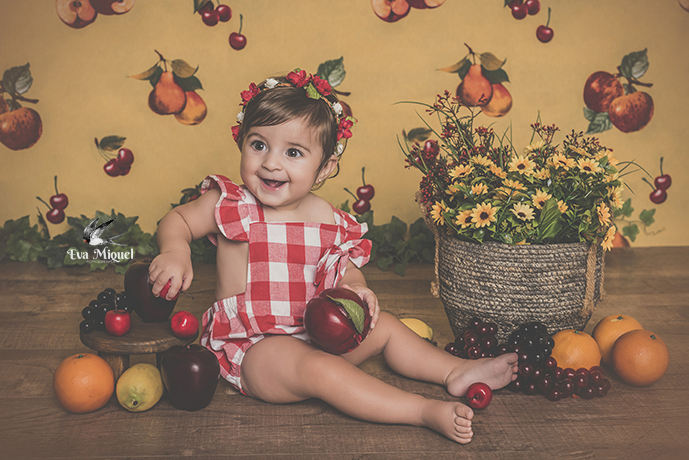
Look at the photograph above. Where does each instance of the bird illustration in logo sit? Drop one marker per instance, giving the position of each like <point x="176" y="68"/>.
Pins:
<point x="92" y="233"/>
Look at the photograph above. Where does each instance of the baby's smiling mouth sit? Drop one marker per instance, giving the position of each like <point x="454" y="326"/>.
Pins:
<point x="272" y="184"/>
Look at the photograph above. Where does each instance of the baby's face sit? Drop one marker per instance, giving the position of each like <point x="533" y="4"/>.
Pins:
<point x="280" y="163"/>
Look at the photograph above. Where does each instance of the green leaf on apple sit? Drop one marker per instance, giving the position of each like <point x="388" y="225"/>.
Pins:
<point x="354" y="310"/>
<point x="634" y="65"/>
<point x="490" y="62"/>
<point x="182" y="69"/>
<point x="598" y="122"/>
<point x="111" y="143"/>
<point x="333" y="71"/>
<point x="646" y="216"/>
<point x="17" y="80"/>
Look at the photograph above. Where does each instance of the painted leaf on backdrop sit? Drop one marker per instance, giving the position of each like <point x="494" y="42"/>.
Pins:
<point x="354" y="310"/>
<point x="634" y="65"/>
<point x="147" y="74"/>
<point x="111" y="143"/>
<point x="17" y="80"/>
<point x="182" y="69"/>
<point x="490" y="62"/>
<point x="333" y="71"/>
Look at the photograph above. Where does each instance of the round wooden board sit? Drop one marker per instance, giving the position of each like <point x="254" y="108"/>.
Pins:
<point x="143" y="338"/>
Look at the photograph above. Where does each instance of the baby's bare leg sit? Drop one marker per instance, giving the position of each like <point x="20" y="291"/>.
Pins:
<point x="284" y="370"/>
<point x="410" y="355"/>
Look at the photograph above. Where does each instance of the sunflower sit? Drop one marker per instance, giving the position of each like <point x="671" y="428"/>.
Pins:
<point x="616" y="196"/>
<point x="461" y="171"/>
<point x="482" y="161"/>
<point x="522" y="165"/>
<point x="542" y="174"/>
<point x="513" y="185"/>
<point x="479" y="189"/>
<point x="562" y="206"/>
<point x="483" y="214"/>
<point x="589" y="166"/>
<point x="609" y="237"/>
<point x="453" y="189"/>
<point x="540" y="198"/>
<point x="535" y="146"/>
<point x="561" y="161"/>
<point x="522" y="211"/>
<point x="603" y="214"/>
<point x="498" y="171"/>
<point x="437" y="212"/>
<point x="464" y="219"/>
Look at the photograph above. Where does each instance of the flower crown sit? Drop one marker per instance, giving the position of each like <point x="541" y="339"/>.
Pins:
<point x="316" y="88"/>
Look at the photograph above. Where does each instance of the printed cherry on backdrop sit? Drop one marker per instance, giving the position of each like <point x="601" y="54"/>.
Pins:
<point x="118" y="159"/>
<point x="364" y="194"/>
<point x="174" y="90"/>
<point x="58" y="203"/>
<point x="237" y="40"/>
<point x="660" y="185"/>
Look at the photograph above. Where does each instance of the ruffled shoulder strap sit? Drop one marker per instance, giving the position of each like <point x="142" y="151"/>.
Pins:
<point x="235" y="210"/>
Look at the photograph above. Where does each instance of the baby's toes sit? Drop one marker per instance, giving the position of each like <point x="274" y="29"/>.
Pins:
<point x="463" y="412"/>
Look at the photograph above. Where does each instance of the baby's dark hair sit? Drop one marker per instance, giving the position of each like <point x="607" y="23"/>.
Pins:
<point x="284" y="103"/>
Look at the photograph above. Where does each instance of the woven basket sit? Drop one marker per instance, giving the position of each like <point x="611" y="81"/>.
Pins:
<point x="557" y="284"/>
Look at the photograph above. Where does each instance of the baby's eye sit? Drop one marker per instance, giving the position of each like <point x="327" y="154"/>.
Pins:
<point x="258" y="145"/>
<point x="293" y="153"/>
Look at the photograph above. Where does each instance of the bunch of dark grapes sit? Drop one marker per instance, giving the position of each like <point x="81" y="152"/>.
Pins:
<point x="94" y="313"/>
<point x="539" y="372"/>
<point x="477" y="341"/>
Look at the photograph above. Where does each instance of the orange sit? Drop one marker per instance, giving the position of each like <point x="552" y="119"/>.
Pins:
<point x="609" y="329"/>
<point x="575" y="349"/>
<point x="83" y="383"/>
<point x="640" y="357"/>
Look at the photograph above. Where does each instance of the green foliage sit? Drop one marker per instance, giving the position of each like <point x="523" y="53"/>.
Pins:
<point x="628" y="225"/>
<point x="393" y="245"/>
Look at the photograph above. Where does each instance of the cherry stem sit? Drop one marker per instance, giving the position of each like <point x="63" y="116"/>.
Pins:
<point x="364" y="180"/>
<point x="241" y="22"/>
<point x="56" y="192"/>
<point x="648" y="182"/>
<point x="661" y="166"/>
<point x="41" y="200"/>
<point x="346" y="190"/>
<point x="548" y="21"/>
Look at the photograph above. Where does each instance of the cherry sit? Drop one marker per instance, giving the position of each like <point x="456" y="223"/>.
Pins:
<point x="125" y="158"/>
<point x="360" y="206"/>
<point x="206" y="7"/>
<point x="210" y="18"/>
<point x="658" y="196"/>
<point x="545" y="33"/>
<point x="59" y="200"/>
<point x="664" y="181"/>
<point x="54" y="215"/>
<point x="365" y="192"/>
<point x="237" y="40"/>
<point x="519" y="10"/>
<point x="533" y="6"/>
<point x="224" y="13"/>
<point x="111" y="168"/>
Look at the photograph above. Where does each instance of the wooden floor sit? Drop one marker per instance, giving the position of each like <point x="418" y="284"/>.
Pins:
<point x="39" y="316"/>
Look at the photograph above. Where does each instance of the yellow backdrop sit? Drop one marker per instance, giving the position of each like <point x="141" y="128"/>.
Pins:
<point x="80" y="80"/>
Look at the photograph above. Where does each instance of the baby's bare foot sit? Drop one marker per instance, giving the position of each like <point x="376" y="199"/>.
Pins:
<point x="495" y="372"/>
<point x="451" y="419"/>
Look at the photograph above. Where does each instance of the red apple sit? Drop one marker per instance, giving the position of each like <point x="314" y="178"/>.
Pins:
<point x="76" y="13"/>
<point x="165" y="290"/>
<point x="118" y="322"/>
<point x="600" y="89"/>
<point x="190" y="374"/>
<point x="631" y="112"/>
<point x="479" y="395"/>
<point x="337" y="320"/>
<point x="184" y="324"/>
<point x="390" y="10"/>
<point x="138" y="290"/>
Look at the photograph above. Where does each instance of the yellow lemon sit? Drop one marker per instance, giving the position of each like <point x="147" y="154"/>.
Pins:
<point x="418" y="326"/>
<point x="140" y="387"/>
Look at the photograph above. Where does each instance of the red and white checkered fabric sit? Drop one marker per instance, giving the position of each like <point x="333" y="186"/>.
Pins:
<point x="289" y="264"/>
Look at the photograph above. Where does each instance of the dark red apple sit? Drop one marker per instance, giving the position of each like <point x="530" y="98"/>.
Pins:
<point x="184" y="324"/>
<point x="138" y="290"/>
<point x="600" y="89"/>
<point x="190" y="374"/>
<point x="631" y="112"/>
<point x="479" y="395"/>
<point x="118" y="322"/>
<point x="337" y="320"/>
<point x="390" y="10"/>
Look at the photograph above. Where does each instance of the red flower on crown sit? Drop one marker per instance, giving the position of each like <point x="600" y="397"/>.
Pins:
<point x="343" y="128"/>
<point x="235" y="132"/>
<point x="248" y="95"/>
<point x="322" y="86"/>
<point x="299" y="79"/>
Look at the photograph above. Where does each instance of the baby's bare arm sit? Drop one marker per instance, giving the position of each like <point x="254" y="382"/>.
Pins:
<point x="176" y="231"/>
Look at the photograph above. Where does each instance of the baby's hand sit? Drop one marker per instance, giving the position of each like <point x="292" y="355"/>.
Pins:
<point x="369" y="298"/>
<point x="174" y="267"/>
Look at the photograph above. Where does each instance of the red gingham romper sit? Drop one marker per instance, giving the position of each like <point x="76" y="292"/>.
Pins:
<point x="289" y="264"/>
